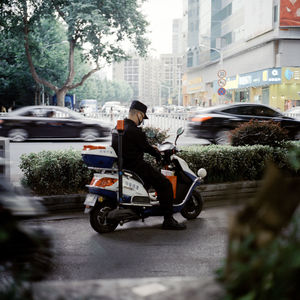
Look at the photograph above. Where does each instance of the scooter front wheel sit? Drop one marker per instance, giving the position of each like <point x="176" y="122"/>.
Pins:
<point x="193" y="206"/>
<point x="98" y="219"/>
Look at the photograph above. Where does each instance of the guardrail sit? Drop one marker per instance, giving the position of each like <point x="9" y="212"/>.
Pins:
<point x="164" y="121"/>
<point x="295" y="116"/>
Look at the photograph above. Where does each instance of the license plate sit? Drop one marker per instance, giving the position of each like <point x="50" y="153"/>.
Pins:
<point x="90" y="199"/>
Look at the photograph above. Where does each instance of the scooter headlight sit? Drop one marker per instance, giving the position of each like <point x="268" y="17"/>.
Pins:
<point x="202" y="173"/>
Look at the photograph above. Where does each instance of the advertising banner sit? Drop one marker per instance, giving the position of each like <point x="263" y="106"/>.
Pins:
<point x="291" y="75"/>
<point x="290" y="13"/>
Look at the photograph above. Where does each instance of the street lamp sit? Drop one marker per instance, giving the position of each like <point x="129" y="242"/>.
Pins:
<point x="215" y="49"/>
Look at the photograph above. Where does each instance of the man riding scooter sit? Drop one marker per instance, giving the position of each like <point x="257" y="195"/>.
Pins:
<point x="134" y="146"/>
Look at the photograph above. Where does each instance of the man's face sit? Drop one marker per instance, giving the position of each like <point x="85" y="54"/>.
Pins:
<point x="141" y="116"/>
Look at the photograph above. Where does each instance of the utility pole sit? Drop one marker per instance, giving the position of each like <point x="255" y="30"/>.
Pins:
<point x="179" y="89"/>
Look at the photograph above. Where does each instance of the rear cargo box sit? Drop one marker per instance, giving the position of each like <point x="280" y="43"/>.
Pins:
<point x="99" y="156"/>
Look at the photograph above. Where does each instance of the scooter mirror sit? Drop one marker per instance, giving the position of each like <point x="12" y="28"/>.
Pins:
<point x="180" y="131"/>
<point x="201" y="173"/>
<point x="150" y="134"/>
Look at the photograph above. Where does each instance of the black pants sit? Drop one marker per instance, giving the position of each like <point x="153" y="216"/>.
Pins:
<point x="160" y="183"/>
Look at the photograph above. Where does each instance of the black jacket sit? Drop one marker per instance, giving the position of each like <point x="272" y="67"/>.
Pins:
<point x="135" y="144"/>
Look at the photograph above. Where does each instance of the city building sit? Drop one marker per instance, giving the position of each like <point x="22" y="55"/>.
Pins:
<point x="143" y="77"/>
<point x="170" y="76"/>
<point x="177" y="37"/>
<point x="240" y="51"/>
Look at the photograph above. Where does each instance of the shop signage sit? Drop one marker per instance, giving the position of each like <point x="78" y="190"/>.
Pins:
<point x="291" y="75"/>
<point x="194" y="85"/>
<point x="272" y="76"/>
<point x="232" y="82"/>
<point x="259" y="78"/>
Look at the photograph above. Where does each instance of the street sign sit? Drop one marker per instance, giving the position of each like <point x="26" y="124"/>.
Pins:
<point x="221" y="91"/>
<point x="221" y="73"/>
<point x="222" y="82"/>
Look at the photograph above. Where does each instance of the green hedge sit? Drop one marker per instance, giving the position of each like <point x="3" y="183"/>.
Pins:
<point x="227" y="163"/>
<point x="62" y="172"/>
<point x="55" y="172"/>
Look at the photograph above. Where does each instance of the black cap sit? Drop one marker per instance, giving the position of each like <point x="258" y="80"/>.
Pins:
<point x="139" y="106"/>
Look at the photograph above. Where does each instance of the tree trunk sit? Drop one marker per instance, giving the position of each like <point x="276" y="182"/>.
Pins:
<point x="60" y="96"/>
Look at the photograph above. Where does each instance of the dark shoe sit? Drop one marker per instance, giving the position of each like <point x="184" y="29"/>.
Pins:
<point x="172" y="224"/>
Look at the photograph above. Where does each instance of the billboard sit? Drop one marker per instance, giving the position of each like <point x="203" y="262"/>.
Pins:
<point x="290" y="13"/>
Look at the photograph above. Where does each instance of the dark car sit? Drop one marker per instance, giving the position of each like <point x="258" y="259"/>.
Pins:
<point x="45" y="122"/>
<point x="213" y="123"/>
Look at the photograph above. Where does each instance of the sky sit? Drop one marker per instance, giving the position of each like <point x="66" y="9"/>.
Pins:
<point x="160" y="14"/>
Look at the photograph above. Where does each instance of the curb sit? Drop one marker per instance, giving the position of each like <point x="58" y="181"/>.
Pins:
<point x="233" y="193"/>
<point x="64" y="203"/>
<point x="160" y="288"/>
<point x="220" y="194"/>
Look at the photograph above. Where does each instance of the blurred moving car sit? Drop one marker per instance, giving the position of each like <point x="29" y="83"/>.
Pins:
<point x="25" y="248"/>
<point x="43" y="122"/>
<point x="213" y="123"/>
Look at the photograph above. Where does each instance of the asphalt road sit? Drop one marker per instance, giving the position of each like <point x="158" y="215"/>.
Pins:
<point x="17" y="149"/>
<point x="137" y="249"/>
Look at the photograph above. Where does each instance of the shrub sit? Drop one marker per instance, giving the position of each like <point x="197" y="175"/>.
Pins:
<point x="259" y="133"/>
<point x="62" y="172"/>
<point x="155" y="135"/>
<point x="228" y="164"/>
<point x="55" y="172"/>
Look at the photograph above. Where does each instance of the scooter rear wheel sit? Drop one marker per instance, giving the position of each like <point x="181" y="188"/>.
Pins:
<point x="99" y="221"/>
<point x="193" y="207"/>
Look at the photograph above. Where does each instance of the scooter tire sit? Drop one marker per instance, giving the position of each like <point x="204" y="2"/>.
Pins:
<point x="99" y="221"/>
<point x="193" y="206"/>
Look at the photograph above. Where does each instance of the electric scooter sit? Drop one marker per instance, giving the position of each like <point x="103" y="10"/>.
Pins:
<point x="117" y="196"/>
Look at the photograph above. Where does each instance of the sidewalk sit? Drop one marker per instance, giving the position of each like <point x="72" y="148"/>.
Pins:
<point x="160" y="288"/>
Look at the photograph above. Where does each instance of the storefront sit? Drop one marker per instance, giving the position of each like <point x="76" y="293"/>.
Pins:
<point x="277" y="87"/>
<point x="287" y="94"/>
<point x="194" y="92"/>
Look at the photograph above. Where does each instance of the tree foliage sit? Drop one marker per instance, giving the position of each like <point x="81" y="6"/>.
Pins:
<point x="257" y="132"/>
<point x="16" y="82"/>
<point x="104" y="90"/>
<point x="98" y="29"/>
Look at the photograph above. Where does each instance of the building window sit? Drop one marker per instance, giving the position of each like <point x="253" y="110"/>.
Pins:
<point x="197" y="58"/>
<point x="275" y="13"/>
<point x="227" y="39"/>
<point x="224" y="13"/>
<point x="190" y="57"/>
